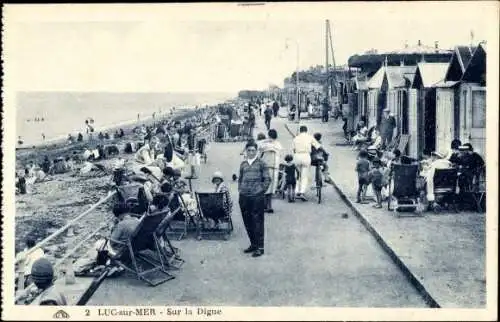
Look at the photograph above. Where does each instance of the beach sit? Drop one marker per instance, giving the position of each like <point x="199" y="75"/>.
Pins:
<point x="65" y="113"/>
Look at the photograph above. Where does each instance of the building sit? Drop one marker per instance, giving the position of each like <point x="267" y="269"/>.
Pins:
<point x="472" y="107"/>
<point x="422" y="106"/>
<point x="447" y="113"/>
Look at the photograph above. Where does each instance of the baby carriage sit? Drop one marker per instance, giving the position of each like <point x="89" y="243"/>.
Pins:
<point x="405" y="195"/>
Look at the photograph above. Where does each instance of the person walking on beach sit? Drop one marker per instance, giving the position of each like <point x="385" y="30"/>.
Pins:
<point x="253" y="181"/>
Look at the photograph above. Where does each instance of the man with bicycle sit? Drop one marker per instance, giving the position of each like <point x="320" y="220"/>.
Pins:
<point x="302" y="146"/>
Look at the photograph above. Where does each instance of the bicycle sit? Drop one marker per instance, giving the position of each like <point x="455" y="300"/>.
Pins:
<point x="318" y="178"/>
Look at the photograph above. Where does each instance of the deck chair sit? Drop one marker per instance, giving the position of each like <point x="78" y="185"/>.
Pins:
<point x="140" y="254"/>
<point x="445" y="185"/>
<point x="405" y="194"/>
<point x="214" y="205"/>
<point x="163" y="244"/>
<point x="403" y="142"/>
<point x="182" y="221"/>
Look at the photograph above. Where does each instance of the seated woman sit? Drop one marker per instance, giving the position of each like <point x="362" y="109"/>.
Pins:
<point x="376" y="140"/>
<point x="436" y="161"/>
<point x="361" y="136"/>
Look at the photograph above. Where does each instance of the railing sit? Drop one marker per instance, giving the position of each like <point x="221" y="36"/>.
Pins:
<point x="23" y="292"/>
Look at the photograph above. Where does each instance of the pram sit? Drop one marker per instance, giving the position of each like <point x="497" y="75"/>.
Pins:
<point x="405" y="194"/>
<point x="214" y="206"/>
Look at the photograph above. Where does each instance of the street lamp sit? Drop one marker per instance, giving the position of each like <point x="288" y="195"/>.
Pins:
<point x="296" y="74"/>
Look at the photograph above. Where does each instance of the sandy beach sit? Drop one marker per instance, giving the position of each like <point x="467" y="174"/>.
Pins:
<point x="62" y="197"/>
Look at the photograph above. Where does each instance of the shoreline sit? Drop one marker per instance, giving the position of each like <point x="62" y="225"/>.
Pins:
<point x="61" y="145"/>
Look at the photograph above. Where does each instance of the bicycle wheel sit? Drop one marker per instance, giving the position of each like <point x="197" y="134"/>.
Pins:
<point x="319" y="183"/>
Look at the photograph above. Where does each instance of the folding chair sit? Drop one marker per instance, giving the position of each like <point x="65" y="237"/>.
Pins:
<point x="405" y="193"/>
<point x="162" y="242"/>
<point x="476" y="189"/>
<point x="215" y="206"/>
<point x="132" y="258"/>
<point x="445" y="186"/>
<point x="181" y="217"/>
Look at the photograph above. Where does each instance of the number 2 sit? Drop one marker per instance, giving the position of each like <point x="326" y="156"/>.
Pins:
<point x="87" y="312"/>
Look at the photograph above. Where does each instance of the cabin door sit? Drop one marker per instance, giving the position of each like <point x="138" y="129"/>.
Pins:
<point x="381" y="105"/>
<point x="478" y="120"/>
<point x="413" y="123"/>
<point x="444" y="119"/>
<point x="429" y="120"/>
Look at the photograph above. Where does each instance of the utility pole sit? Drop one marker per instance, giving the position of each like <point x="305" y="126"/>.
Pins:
<point x="327" y="85"/>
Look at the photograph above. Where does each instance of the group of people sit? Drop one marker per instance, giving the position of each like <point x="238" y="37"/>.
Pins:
<point x="375" y="160"/>
<point x="258" y="178"/>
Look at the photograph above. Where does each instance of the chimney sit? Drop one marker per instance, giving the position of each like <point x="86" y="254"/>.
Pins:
<point x="406" y="44"/>
<point x="419" y="42"/>
<point x="436" y="44"/>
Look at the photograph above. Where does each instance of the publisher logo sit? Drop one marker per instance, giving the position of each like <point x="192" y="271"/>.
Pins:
<point x="61" y="315"/>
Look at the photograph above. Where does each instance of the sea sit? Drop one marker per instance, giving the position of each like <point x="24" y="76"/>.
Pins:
<point x="57" y="114"/>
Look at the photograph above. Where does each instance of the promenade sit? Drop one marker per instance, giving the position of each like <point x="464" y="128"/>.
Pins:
<point x="444" y="253"/>
<point x="313" y="257"/>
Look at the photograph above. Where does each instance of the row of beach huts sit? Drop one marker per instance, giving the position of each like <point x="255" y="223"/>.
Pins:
<point x="435" y="98"/>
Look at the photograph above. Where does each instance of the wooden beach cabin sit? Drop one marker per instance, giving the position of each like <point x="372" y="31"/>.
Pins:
<point x="422" y="106"/>
<point x="447" y="112"/>
<point x="472" y="121"/>
<point x="358" y="96"/>
<point x="388" y="89"/>
<point x="377" y="96"/>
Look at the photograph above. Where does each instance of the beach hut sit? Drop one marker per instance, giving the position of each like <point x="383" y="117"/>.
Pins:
<point x="377" y="94"/>
<point x="447" y="112"/>
<point x="422" y="105"/>
<point x="388" y="89"/>
<point x="472" y="109"/>
<point x="358" y="91"/>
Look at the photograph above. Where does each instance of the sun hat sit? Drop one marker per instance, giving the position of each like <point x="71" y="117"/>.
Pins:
<point x="217" y="175"/>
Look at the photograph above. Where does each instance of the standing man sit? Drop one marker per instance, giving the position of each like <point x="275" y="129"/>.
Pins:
<point x="268" y="114"/>
<point x="253" y="182"/>
<point x="276" y="108"/>
<point x="302" y="146"/>
<point x="325" y="109"/>
<point x="251" y="121"/>
<point x="387" y="126"/>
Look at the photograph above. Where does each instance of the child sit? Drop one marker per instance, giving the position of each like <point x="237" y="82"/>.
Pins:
<point x="377" y="176"/>
<point x="42" y="273"/>
<point x="363" y="170"/>
<point x="291" y="176"/>
<point x="220" y="186"/>
<point x="324" y="155"/>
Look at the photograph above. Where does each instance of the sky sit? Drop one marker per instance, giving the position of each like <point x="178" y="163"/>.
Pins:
<point x="215" y="47"/>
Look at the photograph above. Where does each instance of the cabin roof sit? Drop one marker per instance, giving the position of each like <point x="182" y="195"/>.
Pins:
<point x="431" y="73"/>
<point x="476" y="68"/>
<point x="458" y="62"/>
<point x="397" y="76"/>
<point x="446" y="84"/>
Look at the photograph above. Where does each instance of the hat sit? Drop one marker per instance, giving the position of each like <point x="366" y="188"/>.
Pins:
<point x="465" y="147"/>
<point x="437" y="154"/>
<point x="42" y="270"/>
<point x="171" y="172"/>
<point x="387" y="109"/>
<point x="217" y="175"/>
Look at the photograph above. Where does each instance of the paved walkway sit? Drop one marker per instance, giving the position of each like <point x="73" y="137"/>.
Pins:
<point x="314" y="257"/>
<point x="444" y="253"/>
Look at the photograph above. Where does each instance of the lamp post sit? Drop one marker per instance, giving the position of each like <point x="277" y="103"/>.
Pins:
<point x="296" y="76"/>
